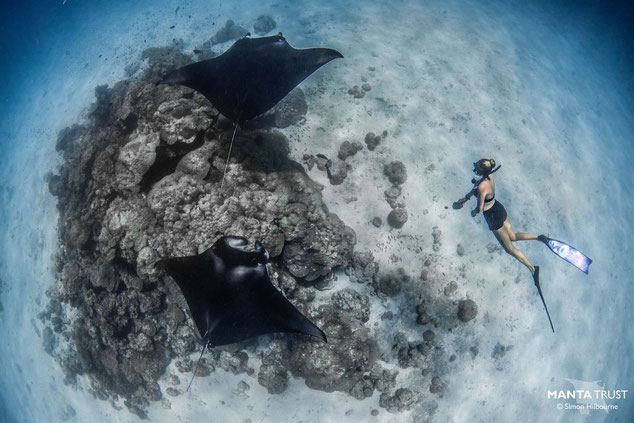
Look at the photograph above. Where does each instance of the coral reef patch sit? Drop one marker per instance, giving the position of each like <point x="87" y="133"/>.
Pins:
<point x="140" y="182"/>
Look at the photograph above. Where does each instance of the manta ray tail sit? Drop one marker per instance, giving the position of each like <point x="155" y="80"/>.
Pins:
<point x="235" y="129"/>
<point x="196" y="368"/>
<point x="568" y="253"/>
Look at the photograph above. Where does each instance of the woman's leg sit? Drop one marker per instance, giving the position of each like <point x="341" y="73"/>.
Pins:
<point x="517" y="236"/>
<point x="505" y="240"/>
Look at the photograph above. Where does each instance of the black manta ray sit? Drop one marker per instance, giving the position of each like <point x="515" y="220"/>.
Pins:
<point x="230" y="294"/>
<point x="252" y="76"/>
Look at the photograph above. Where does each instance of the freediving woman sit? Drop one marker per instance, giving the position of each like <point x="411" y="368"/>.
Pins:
<point x="496" y="217"/>
<point x="498" y="222"/>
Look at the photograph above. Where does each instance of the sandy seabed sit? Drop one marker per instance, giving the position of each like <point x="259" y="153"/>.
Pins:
<point x="451" y="82"/>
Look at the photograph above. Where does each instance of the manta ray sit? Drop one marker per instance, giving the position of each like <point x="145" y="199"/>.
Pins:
<point x="251" y="77"/>
<point x="230" y="295"/>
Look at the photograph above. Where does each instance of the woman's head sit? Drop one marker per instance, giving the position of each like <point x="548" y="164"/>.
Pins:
<point x="484" y="167"/>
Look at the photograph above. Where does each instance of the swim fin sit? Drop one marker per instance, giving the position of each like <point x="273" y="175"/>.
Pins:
<point x="568" y="253"/>
<point x="539" y="289"/>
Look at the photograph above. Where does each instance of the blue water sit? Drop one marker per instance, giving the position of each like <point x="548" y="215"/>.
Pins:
<point x="567" y="68"/>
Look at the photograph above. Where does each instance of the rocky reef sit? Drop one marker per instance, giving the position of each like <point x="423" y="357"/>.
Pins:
<point x="264" y="24"/>
<point x="140" y="182"/>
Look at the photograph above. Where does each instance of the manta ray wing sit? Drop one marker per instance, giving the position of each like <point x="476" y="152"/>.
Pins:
<point x="230" y="294"/>
<point x="252" y="76"/>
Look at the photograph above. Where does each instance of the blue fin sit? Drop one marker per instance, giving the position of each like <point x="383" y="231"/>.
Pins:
<point x="568" y="253"/>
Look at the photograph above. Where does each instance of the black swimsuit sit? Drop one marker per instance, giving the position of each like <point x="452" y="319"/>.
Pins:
<point x="495" y="216"/>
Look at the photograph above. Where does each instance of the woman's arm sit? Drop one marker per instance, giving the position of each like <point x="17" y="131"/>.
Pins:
<point x="480" y="205"/>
